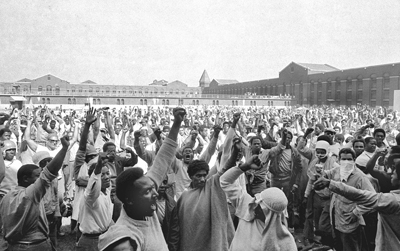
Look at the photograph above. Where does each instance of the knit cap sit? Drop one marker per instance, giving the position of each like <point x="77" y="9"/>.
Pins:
<point x="273" y="198"/>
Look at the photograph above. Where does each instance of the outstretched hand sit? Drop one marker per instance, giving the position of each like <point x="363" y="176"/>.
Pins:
<point x="91" y="116"/>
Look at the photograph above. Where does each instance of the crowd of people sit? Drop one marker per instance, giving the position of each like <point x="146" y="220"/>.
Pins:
<point x="190" y="178"/>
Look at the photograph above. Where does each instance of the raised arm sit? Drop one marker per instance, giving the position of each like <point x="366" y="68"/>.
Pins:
<point x="32" y="144"/>
<point x="166" y="154"/>
<point x="80" y="156"/>
<point x="93" y="189"/>
<point x="109" y="126"/>
<point x="206" y="156"/>
<point x="226" y="150"/>
<point x="232" y="190"/>
<point x="56" y="163"/>
<point x="382" y="202"/>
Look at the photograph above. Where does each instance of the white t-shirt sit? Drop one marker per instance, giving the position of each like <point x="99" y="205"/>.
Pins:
<point x="52" y="153"/>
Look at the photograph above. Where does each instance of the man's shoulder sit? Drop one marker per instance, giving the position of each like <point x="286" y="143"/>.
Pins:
<point x="41" y="148"/>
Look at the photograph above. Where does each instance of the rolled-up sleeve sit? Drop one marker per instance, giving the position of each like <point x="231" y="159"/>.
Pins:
<point x="37" y="190"/>
<point x="386" y="203"/>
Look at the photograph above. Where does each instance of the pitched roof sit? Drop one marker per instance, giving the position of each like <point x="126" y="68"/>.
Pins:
<point x="226" y="81"/>
<point x="25" y="80"/>
<point x="204" y="78"/>
<point x="89" y="82"/>
<point x="318" y="68"/>
<point x="177" y="83"/>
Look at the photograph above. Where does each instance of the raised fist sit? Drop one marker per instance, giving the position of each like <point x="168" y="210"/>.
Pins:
<point x="65" y="142"/>
<point x="237" y="144"/>
<point x="236" y="117"/>
<point x="179" y="114"/>
<point x="157" y="131"/>
<point x="217" y="129"/>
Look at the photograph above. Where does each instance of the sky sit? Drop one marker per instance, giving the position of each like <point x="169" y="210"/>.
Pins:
<point x="135" y="42"/>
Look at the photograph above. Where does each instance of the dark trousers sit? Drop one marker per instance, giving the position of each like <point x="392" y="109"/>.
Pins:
<point x="354" y="241"/>
<point x="52" y="229"/>
<point x="317" y="215"/>
<point x="285" y="186"/>
<point x="88" y="243"/>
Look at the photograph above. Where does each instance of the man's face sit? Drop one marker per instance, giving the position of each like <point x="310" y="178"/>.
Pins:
<point x="317" y="130"/>
<point x="181" y="131"/>
<point x="256" y="146"/>
<point x="187" y="155"/>
<point x="288" y="139"/>
<point x="358" y="148"/>
<point x="346" y="156"/>
<point x="6" y="136"/>
<point x="337" y="130"/>
<point x="34" y="176"/>
<point x="371" y="146"/>
<point x="143" y="132"/>
<point x="111" y="151"/>
<point x="70" y="136"/>
<point x="105" y="177"/>
<point x="204" y="133"/>
<point x="225" y="128"/>
<point x="143" y="141"/>
<point x="52" y="124"/>
<point x="145" y="196"/>
<point x="199" y="179"/>
<point x="379" y="136"/>
<point x="331" y="135"/>
<point x="10" y="154"/>
<point x="117" y="129"/>
<point x="166" y="131"/>
<point x="52" y="143"/>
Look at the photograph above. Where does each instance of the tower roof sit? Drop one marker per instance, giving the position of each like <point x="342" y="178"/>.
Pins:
<point x="204" y="80"/>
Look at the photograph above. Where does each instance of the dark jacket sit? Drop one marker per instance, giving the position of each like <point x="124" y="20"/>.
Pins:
<point x="275" y="156"/>
<point x="170" y="225"/>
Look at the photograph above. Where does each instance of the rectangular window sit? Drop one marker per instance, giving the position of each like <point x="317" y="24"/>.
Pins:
<point x="373" y="83"/>
<point x="373" y="94"/>
<point x="386" y="94"/>
<point x="348" y="95"/>
<point x="359" y="95"/>
<point x="385" y="103"/>
<point x="386" y="83"/>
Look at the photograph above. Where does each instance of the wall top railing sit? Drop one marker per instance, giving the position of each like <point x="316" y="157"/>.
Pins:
<point x="87" y="93"/>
